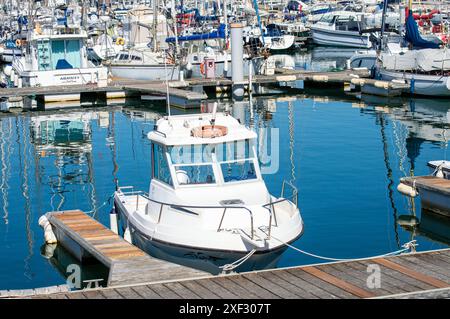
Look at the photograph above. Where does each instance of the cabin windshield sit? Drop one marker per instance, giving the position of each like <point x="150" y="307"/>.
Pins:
<point x="208" y="164"/>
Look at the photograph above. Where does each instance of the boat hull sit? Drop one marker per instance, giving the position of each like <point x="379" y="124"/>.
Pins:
<point x="206" y="259"/>
<point x="145" y="72"/>
<point x="339" y="38"/>
<point x="429" y="85"/>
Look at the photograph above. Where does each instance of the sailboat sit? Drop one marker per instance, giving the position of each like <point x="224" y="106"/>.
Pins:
<point x="144" y="60"/>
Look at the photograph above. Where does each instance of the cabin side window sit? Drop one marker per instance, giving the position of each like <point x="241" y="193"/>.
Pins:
<point x="161" y="171"/>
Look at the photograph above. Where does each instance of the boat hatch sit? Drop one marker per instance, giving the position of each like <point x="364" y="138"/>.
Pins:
<point x="205" y="164"/>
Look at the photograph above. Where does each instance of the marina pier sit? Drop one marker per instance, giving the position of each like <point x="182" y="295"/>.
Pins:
<point x="416" y="275"/>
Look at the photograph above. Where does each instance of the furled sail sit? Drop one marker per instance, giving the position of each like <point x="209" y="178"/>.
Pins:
<point x="413" y="35"/>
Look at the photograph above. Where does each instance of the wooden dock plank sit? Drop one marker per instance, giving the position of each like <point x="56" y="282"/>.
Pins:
<point x="229" y="285"/>
<point x="331" y="289"/>
<point x="181" y="290"/>
<point x="412" y="273"/>
<point x="127" y="263"/>
<point x="280" y="291"/>
<point x="93" y="294"/>
<point x="111" y="294"/>
<point x="314" y="291"/>
<point x="277" y="280"/>
<point x="128" y="293"/>
<point x="357" y="278"/>
<point x="253" y="288"/>
<point x="199" y="290"/>
<point x="401" y="281"/>
<point x="218" y="290"/>
<point x="145" y="292"/>
<point x="391" y="284"/>
<point x="163" y="291"/>
<point x="426" y="269"/>
<point x="354" y="290"/>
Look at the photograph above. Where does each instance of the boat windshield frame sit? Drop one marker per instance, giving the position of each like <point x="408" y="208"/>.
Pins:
<point x="206" y="168"/>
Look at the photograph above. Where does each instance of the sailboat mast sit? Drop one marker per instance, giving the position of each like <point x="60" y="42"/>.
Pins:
<point x="155" y="25"/>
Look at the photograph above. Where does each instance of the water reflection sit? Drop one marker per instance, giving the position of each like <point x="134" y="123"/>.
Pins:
<point x="63" y="155"/>
<point x="345" y="155"/>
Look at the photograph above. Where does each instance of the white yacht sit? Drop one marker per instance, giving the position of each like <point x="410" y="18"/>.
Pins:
<point x="142" y="63"/>
<point x="207" y="205"/>
<point x="341" y="28"/>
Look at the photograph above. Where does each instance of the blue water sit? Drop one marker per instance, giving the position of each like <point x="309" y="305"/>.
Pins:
<point x="346" y="157"/>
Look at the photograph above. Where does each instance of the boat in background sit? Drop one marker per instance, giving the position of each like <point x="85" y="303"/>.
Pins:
<point x="341" y="29"/>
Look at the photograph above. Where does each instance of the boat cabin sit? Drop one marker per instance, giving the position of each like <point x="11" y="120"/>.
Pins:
<point x="58" y="50"/>
<point x="190" y="151"/>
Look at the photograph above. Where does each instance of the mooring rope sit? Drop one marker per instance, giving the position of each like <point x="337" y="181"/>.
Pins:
<point x="407" y="246"/>
<point x="237" y="263"/>
<point x="107" y="201"/>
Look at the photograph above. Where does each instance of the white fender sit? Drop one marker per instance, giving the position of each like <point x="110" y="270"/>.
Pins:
<point x="49" y="235"/>
<point x="407" y="190"/>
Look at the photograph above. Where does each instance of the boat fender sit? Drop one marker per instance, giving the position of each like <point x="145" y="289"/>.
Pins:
<point x="381" y="85"/>
<point x="113" y="221"/>
<point x="49" y="235"/>
<point x="127" y="235"/>
<point x="120" y="41"/>
<point x="407" y="190"/>
<point x="357" y="81"/>
<point x="320" y="78"/>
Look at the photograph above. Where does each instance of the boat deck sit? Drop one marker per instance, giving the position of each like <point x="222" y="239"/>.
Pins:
<point x="418" y="275"/>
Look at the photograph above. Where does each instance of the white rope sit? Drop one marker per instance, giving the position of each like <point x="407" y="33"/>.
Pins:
<point x="101" y="206"/>
<point x="237" y="263"/>
<point x="409" y="245"/>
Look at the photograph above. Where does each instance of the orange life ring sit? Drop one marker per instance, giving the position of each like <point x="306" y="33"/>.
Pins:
<point x="209" y="131"/>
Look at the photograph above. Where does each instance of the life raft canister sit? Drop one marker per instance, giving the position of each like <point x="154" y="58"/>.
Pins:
<point x="202" y="68"/>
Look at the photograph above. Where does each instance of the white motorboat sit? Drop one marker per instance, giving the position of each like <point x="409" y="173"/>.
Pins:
<point x="275" y="39"/>
<point x="342" y="29"/>
<point x="143" y="64"/>
<point x="207" y="205"/>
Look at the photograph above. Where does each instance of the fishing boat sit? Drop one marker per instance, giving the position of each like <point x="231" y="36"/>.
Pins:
<point x="208" y="206"/>
<point x="342" y="29"/>
<point x="57" y="56"/>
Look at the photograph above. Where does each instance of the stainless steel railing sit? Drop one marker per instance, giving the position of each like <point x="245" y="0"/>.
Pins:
<point x="226" y="208"/>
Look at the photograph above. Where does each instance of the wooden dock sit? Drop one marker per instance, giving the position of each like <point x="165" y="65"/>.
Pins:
<point x="85" y="238"/>
<point x="423" y="274"/>
<point x="180" y="92"/>
<point x="434" y="192"/>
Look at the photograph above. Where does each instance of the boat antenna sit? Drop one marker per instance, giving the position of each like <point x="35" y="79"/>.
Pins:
<point x="214" y="112"/>
<point x="167" y="83"/>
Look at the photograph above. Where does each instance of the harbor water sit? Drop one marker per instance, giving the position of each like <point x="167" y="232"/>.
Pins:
<point x="345" y="154"/>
